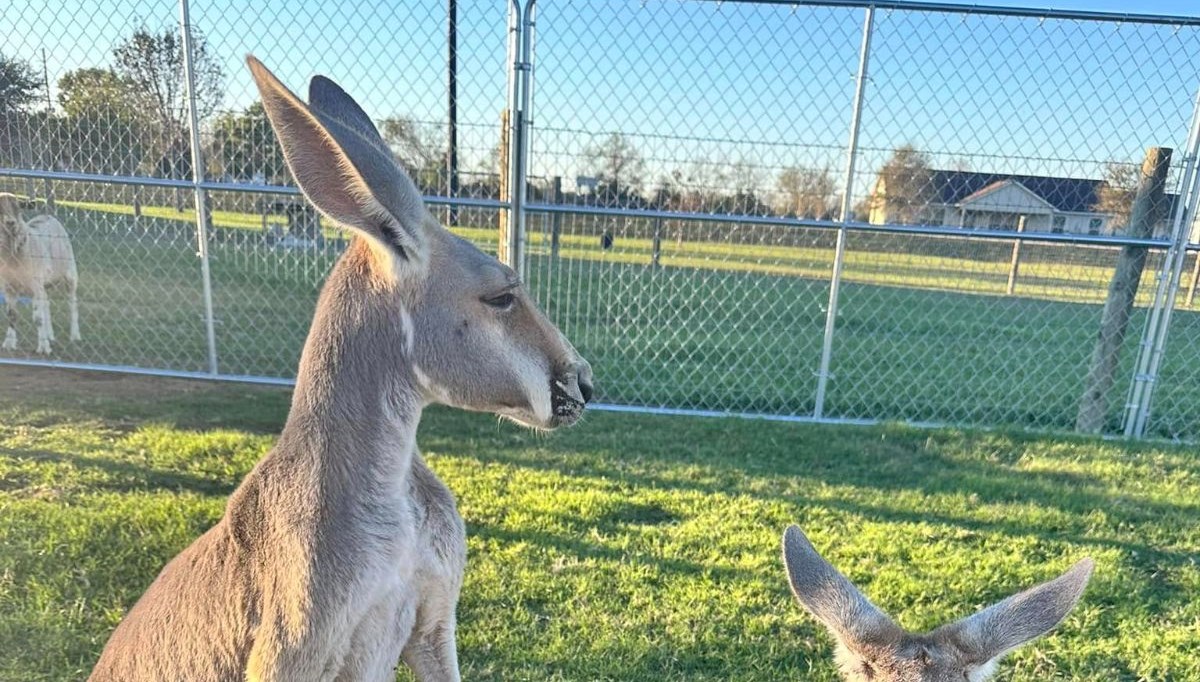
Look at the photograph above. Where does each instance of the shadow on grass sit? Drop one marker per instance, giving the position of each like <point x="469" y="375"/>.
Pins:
<point x="906" y="464"/>
<point x="125" y="477"/>
<point x="590" y="550"/>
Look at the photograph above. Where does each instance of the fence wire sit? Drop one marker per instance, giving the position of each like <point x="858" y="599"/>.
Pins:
<point x="686" y="172"/>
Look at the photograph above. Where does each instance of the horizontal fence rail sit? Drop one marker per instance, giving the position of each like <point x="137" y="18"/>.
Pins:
<point x="843" y="211"/>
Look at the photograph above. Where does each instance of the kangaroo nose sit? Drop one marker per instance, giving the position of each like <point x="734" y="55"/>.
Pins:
<point x="585" y="388"/>
<point x="585" y="382"/>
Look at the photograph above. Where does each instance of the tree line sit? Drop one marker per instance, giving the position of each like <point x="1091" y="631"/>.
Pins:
<point x="130" y="117"/>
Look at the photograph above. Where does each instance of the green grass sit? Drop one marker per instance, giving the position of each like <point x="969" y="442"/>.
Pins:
<point x="629" y="547"/>
<point x="924" y="333"/>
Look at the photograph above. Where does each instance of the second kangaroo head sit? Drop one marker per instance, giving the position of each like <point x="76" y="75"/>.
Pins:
<point x="464" y="325"/>
<point x="872" y="648"/>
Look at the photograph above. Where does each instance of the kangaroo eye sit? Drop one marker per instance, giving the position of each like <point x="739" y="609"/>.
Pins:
<point x="503" y="301"/>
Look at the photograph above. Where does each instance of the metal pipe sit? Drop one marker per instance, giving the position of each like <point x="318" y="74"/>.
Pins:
<point x="926" y="230"/>
<point x="529" y="34"/>
<point x="148" y="371"/>
<point x="1184" y="213"/>
<point x="1143" y="376"/>
<point x="516" y="187"/>
<point x="1014" y="11"/>
<point x="243" y="187"/>
<point x="519" y="122"/>
<point x="570" y="209"/>
<point x="605" y="407"/>
<point x="839" y="252"/>
<point x="201" y="194"/>
<point x="452" y="105"/>
<point x="93" y="177"/>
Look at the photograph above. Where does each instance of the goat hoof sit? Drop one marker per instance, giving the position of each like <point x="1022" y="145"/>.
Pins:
<point x="10" y="341"/>
<point x="43" y="348"/>
<point x="76" y="337"/>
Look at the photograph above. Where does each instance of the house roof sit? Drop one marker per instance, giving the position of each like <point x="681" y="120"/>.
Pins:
<point x="1072" y="195"/>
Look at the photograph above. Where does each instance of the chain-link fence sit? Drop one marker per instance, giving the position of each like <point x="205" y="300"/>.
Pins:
<point x="842" y="211"/>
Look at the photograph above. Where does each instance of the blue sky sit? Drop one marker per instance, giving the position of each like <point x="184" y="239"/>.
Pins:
<point x="695" y="83"/>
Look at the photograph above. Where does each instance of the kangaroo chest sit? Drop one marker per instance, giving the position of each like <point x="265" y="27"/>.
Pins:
<point x="392" y="588"/>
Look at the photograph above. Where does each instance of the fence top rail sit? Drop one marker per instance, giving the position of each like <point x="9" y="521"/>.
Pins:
<point x="966" y="8"/>
<point x="930" y="230"/>
<point x="171" y="183"/>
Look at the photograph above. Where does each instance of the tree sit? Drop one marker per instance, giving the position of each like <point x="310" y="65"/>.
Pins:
<point x="85" y="91"/>
<point x="18" y="85"/>
<point x="696" y="187"/>
<point x="617" y="165"/>
<point x="807" y="193"/>
<point x="1115" y="194"/>
<point x="103" y="119"/>
<point x="905" y="186"/>
<point x="18" y="89"/>
<point x="420" y="148"/>
<point x="153" y="65"/>
<point x="746" y="179"/>
<point x="245" y="146"/>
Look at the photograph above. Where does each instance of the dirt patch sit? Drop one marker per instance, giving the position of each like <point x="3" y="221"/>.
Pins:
<point x="124" y="400"/>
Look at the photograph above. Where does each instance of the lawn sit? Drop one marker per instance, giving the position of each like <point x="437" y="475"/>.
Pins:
<point x="925" y="332"/>
<point x="629" y="547"/>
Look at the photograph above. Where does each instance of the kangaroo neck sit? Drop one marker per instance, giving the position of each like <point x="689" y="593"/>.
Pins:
<point x="354" y="396"/>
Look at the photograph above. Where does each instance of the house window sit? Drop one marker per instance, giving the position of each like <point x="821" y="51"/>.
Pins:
<point x="1094" y="225"/>
<point x="1058" y="224"/>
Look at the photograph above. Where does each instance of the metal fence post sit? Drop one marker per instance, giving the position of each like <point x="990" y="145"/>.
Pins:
<point x="185" y="26"/>
<point x="1155" y="340"/>
<point x="839" y="253"/>
<point x="520" y="47"/>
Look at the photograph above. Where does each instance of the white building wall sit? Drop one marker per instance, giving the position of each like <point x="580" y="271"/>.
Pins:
<point x="1080" y="223"/>
<point x="1009" y="198"/>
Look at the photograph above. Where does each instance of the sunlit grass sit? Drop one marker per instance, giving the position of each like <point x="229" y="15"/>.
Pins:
<point x="629" y="547"/>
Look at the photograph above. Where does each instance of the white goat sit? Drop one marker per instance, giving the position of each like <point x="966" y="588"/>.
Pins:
<point x="34" y="254"/>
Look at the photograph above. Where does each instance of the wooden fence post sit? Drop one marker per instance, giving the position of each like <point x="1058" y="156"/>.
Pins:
<point x="502" y="247"/>
<point x="50" y="204"/>
<point x="656" y="244"/>
<point x="1191" y="296"/>
<point x="1147" y="209"/>
<point x="1016" y="258"/>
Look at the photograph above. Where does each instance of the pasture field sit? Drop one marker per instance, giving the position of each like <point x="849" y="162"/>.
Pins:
<point x="630" y="547"/>
<point x="925" y="332"/>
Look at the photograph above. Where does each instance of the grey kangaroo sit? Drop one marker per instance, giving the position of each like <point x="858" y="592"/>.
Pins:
<point x="341" y="553"/>
<point x="870" y="647"/>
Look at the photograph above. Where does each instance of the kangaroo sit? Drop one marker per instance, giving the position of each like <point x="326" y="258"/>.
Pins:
<point x="870" y="647"/>
<point x="341" y="553"/>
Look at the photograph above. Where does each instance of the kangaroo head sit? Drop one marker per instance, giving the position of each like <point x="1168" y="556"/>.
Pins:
<point x="872" y="648"/>
<point x="467" y="328"/>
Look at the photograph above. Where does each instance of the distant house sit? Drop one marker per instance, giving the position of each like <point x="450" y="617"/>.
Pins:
<point x="997" y="201"/>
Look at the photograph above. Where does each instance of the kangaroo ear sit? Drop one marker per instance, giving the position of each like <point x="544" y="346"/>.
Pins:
<point x="998" y="629"/>
<point x="832" y="599"/>
<point x="329" y="99"/>
<point x="343" y="166"/>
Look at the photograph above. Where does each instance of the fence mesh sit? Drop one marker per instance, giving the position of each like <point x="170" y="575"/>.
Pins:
<point x="687" y="178"/>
